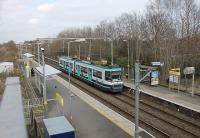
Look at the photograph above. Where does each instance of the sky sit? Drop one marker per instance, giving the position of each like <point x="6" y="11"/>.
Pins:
<point x="22" y="20"/>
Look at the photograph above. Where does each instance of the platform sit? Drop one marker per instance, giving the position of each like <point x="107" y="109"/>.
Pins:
<point x="90" y="118"/>
<point x="12" y="122"/>
<point x="179" y="98"/>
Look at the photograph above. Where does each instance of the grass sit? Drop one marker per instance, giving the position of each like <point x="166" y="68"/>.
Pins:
<point x="8" y="53"/>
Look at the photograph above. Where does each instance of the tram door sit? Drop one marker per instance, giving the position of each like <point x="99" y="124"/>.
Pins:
<point x="79" y="70"/>
<point x="89" y="74"/>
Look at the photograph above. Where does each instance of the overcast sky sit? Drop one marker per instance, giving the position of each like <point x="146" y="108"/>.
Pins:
<point x="30" y="19"/>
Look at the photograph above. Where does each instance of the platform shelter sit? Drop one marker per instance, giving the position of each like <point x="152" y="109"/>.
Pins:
<point x="39" y="76"/>
<point x="26" y="58"/>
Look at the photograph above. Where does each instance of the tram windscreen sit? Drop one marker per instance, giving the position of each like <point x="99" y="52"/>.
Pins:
<point x="116" y="75"/>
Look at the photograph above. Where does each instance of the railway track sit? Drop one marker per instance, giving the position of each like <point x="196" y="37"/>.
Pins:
<point x="124" y="104"/>
<point x="164" y="117"/>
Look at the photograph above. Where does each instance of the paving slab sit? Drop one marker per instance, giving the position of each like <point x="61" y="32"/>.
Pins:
<point x="178" y="98"/>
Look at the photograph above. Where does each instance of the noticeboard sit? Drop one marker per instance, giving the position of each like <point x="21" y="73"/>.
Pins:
<point x="175" y="72"/>
<point x="189" y="70"/>
<point x="154" y="78"/>
<point x="174" y="79"/>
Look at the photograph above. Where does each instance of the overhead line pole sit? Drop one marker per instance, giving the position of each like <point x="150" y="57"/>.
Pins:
<point x="137" y="83"/>
<point x="38" y="47"/>
<point x="111" y="52"/>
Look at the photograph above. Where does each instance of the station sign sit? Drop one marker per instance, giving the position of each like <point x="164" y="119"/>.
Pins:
<point x="175" y="72"/>
<point x="104" y="62"/>
<point x="157" y="64"/>
<point x="189" y="70"/>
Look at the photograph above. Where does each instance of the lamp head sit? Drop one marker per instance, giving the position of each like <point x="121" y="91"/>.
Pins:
<point x="42" y="49"/>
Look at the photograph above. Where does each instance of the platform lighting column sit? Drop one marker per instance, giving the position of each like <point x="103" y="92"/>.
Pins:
<point x="193" y="84"/>
<point x="44" y="78"/>
<point x="26" y="47"/>
<point x="34" y="49"/>
<point x="79" y="51"/>
<point x="63" y="46"/>
<point x="71" y="94"/>
<point x="20" y="47"/>
<point x="137" y="92"/>
<point x="128" y="66"/>
<point x="38" y="47"/>
<point x="111" y="52"/>
<point x="68" y="49"/>
<point x="90" y="49"/>
<point x="48" y="49"/>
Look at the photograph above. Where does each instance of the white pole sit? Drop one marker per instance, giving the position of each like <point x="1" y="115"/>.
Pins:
<point x="63" y="46"/>
<point x="79" y="51"/>
<point x="137" y="83"/>
<point x="38" y="46"/>
<point x="68" y="49"/>
<point x="193" y="84"/>
<point x="128" y="62"/>
<point x="44" y="79"/>
<point x="26" y="47"/>
<point x="90" y="49"/>
<point x="71" y="95"/>
<point x="111" y="52"/>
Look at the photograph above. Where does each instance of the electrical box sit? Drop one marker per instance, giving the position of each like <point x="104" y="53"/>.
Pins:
<point x="58" y="127"/>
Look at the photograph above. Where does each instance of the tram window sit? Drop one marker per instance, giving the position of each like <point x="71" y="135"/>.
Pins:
<point x="116" y="75"/>
<point x="97" y="74"/>
<point x="66" y="64"/>
<point x="71" y="65"/>
<point x="83" y="69"/>
<point x="89" y="70"/>
<point x="108" y="75"/>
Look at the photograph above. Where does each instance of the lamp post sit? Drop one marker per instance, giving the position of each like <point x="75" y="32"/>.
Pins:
<point x="79" y="48"/>
<point x="44" y="78"/>
<point x="111" y="52"/>
<point x="128" y="66"/>
<point x="63" y="46"/>
<point x="68" y="44"/>
<point x="137" y="92"/>
<point x="90" y="49"/>
<point x="38" y="47"/>
<point x="69" y="70"/>
<point x="79" y="51"/>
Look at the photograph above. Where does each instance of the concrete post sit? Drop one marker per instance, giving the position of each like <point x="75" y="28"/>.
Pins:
<point x="38" y="47"/>
<point x="90" y="49"/>
<point x="137" y="92"/>
<point x="63" y="46"/>
<point x="111" y="52"/>
<point x="44" y="79"/>
<point x="68" y="49"/>
<point x="128" y="62"/>
<point x="79" y="51"/>
<point x="193" y="84"/>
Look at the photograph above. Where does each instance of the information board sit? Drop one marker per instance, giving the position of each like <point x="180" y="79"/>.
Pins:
<point x="154" y="78"/>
